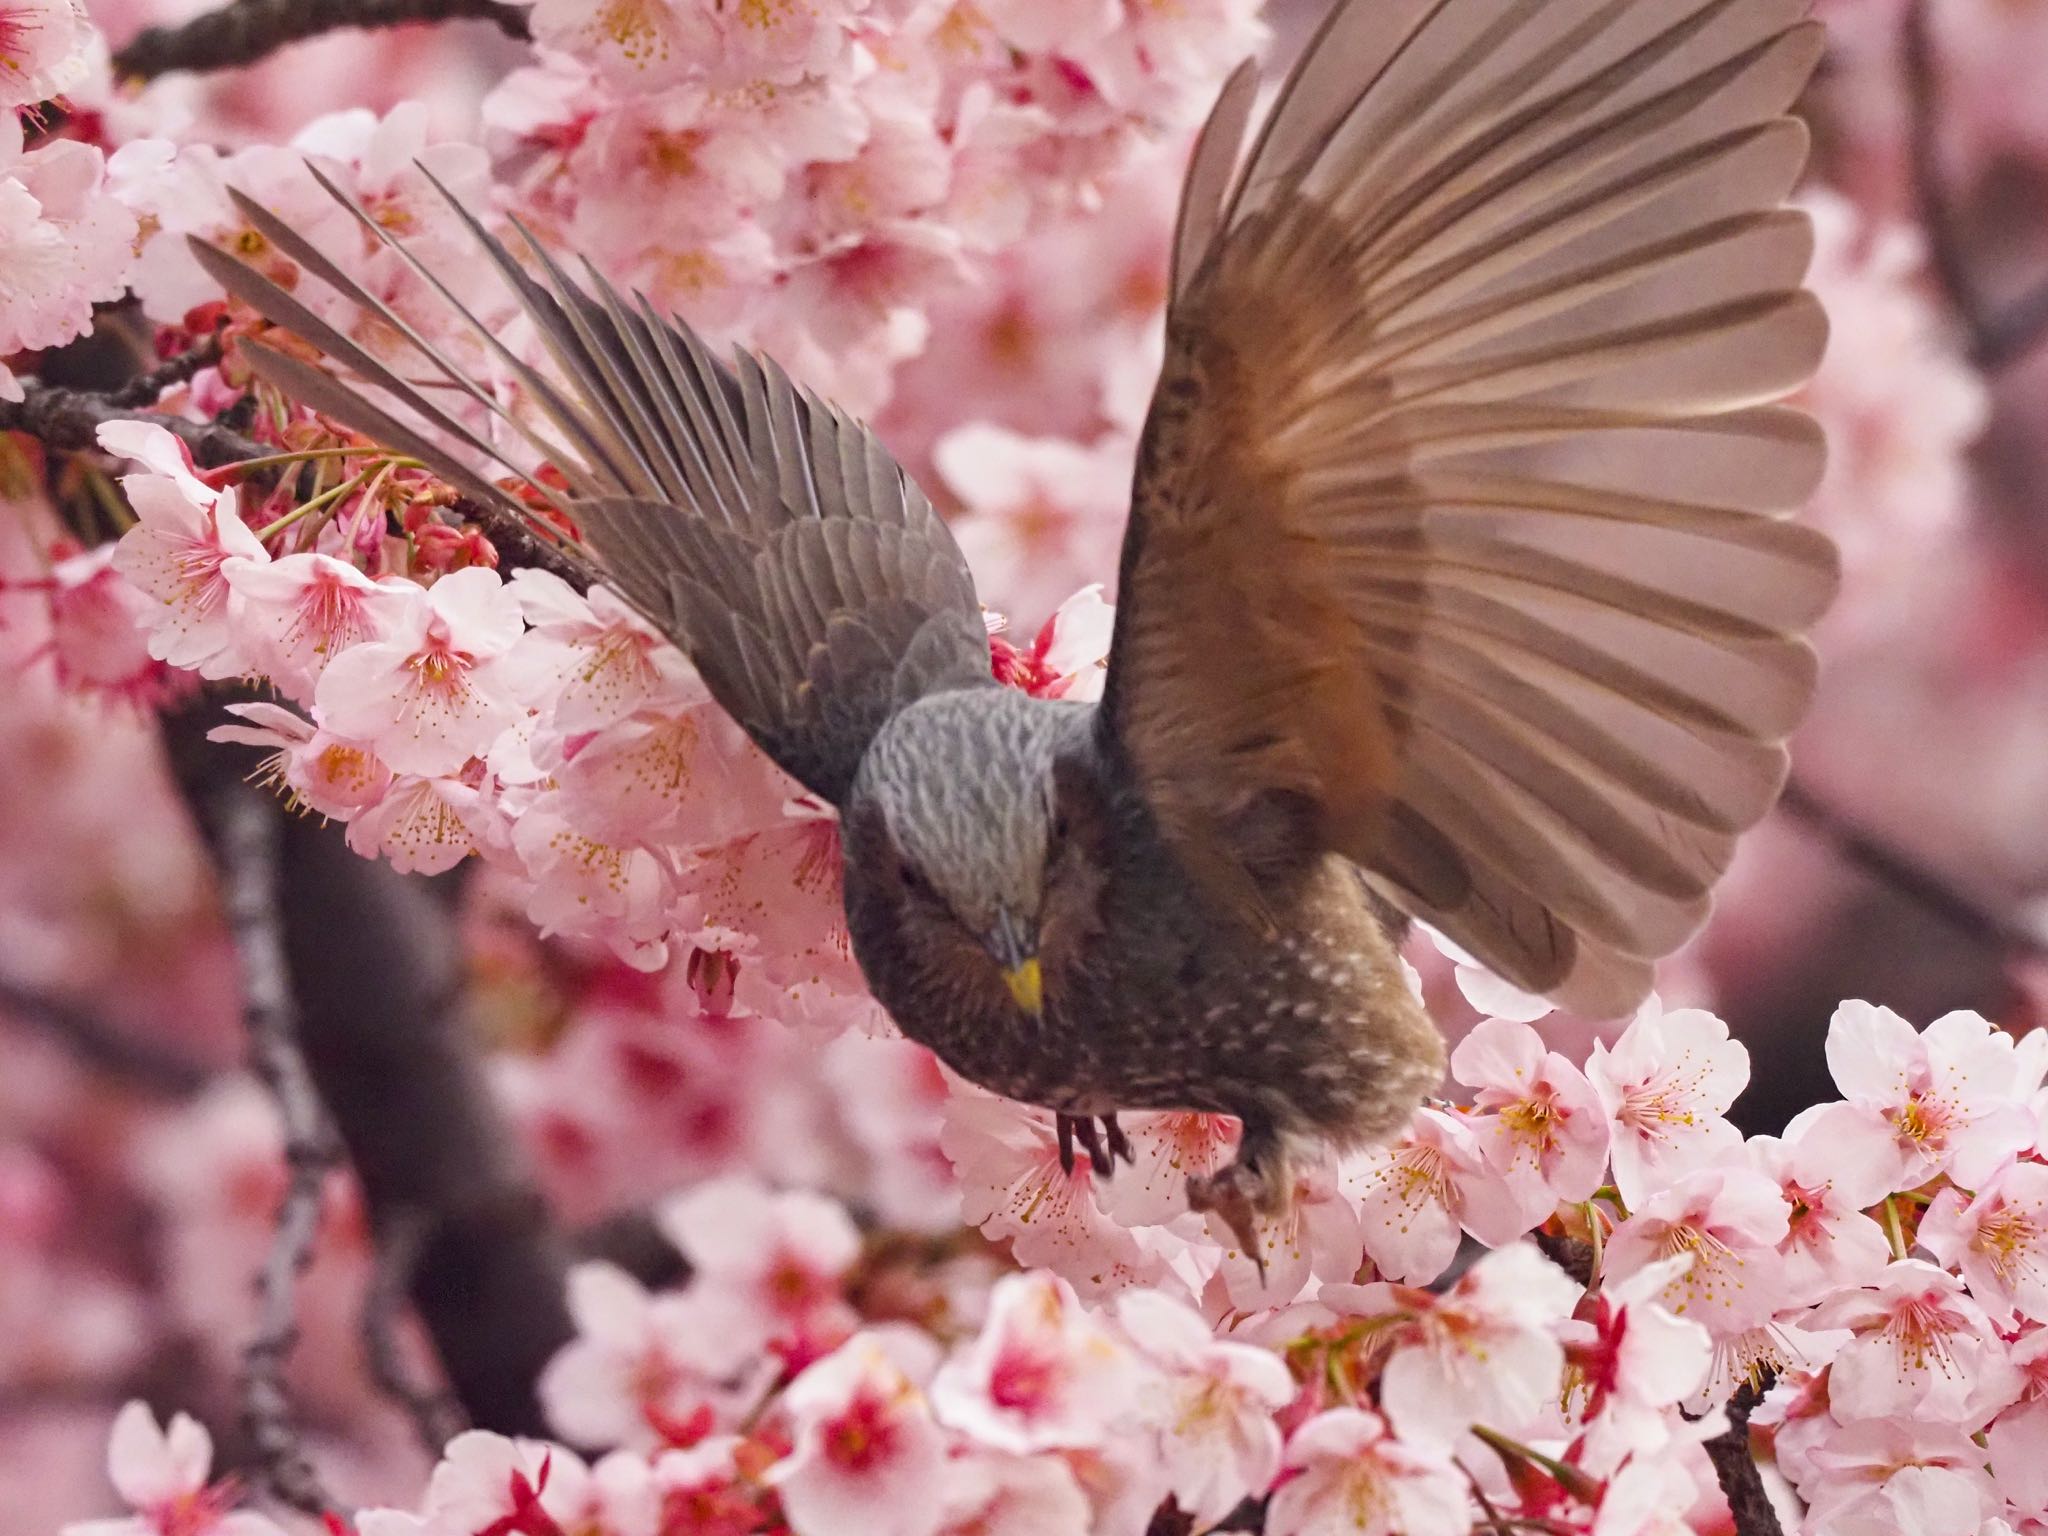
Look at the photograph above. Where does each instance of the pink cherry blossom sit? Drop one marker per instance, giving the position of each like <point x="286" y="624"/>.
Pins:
<point x="1666" y="1085"/>
<point x="1542" y="1128"/>
<point x="301" y="611"/>
<point x="64" y="243"/>
<point x="486" y="1481"/>
<point x="1485" y="991"/>
<point x="1210" y="1405"/>
<point x="1921" y="1347"/>
<point x="1949" y="1099"/>
<point x="1640" y="1361"/>
<point x="185" y="536"/>
<point x="1897" y="1477"/>
<point x="1043" y="514"/>
<point x="1484" y="1352"/>
<point x="584" y="885"/>
<point x="644" y="1369"/>
<point x="423" y="826"/>
<point x="1041" y="1375"/>
<point x="161" y="1473"/>
<point x="1351" y="1478"/>
<point x="429" y="698"/>
<point x="1731" y="1220"/>
<point x="779" y="1256"/>
<point x="327" y="775"/>
<point x="991" y="1494"/>
<point x="1006" y="1157"/>
<point x="1830" y="1243"/>
<point x="1318" y="1236"/>
<point x="867" y="1455"/>
<point x="592" y="660"/>
<point x="2015" y="1445"/>
<point x="97" y="623"/>
<point x="45" y="49"/>
<point x="1998" y="1238"/>
<point x="1413" y="1194"/>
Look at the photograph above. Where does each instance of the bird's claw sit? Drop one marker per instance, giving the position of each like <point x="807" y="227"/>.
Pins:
<point x="1232" y="1196"/>
<point x="1104" y="1145"/>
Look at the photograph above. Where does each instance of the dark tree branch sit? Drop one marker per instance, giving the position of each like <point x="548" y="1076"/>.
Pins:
<point x="436" y="1416"/>
<point x="101" y="1046"/>
<point x="376" y="964"/>
<point x="1903" y="874"/>
<point x="242" y="828"/>
<point x="142" y="391"/>
<point x="66" y="419"/>
<point x="1998" y="337"/>
<point x="247" y="30"/>
<point x="1735" y="1468"/>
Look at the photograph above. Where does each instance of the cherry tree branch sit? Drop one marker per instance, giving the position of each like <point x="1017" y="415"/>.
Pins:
<point x="1999" y="337"/>
<point x="437" y="1417"/>
<point x="1901" y="873"/>
<point x="99" y="1045"/>
<point x="247" y="30"/>
<point x="66" y="419"/>
<point x="243" y="831"/>
<point x="1735" y="1468"/>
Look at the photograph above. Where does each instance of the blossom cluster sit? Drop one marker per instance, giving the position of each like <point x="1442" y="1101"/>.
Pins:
<point x="1885" y="1263"/>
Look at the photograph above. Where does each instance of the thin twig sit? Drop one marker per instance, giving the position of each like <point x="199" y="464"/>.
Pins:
<point x="1910" y="879"/>
<point x="243" y="828"/>
<point x="144" y="390"/>
<point x="66" y="419"/>
<point x="99" y="1045"/>
<point x="437" y="1417"/>
<point x="248" y="30"/>
<point x="1735" y="1468"/>
<point x="1998" y="337"/>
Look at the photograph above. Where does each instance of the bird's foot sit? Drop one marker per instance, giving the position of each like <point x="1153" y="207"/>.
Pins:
<point x="1251" y="1187"/>
<point x="1103" y="1146"/>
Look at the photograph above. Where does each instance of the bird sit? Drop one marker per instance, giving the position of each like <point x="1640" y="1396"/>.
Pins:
<point x="1462" y="581"/>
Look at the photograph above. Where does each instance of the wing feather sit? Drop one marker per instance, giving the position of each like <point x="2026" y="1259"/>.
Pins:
<point x="1461" y="510"/>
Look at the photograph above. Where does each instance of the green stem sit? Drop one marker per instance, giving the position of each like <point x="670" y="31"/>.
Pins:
<point x="1893" y="1228"/>
<point x="326" y="498"/>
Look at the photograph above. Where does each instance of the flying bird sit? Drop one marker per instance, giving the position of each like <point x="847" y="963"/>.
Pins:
<point x="1460" y="582"/>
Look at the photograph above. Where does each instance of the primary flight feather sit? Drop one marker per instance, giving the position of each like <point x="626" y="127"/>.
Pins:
<point x="1459" y="582"/>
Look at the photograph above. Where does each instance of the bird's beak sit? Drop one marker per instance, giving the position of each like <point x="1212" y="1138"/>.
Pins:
<point x="1016" y="954"/>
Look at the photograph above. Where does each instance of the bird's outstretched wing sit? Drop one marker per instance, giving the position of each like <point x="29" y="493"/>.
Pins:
<point x="773" y="538"/>
<point x="1459" y="524"/>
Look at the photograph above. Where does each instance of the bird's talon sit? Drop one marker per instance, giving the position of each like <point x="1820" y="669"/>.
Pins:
<point x="1102" y="1154"/>
<point x="1064" y="1125"/>
<point x="1226" y="1196"/>
<point x="1119" y="1143"/>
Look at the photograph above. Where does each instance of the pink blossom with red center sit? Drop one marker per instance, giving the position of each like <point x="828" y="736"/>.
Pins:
<point x="1666" y="1085"/>
<point x="591" y="661"/>
<point x="161" y="1474"/>
<point x="1632" y="1364"/>
<point x="97" y="623"/>
<point x="866" y="1453"/>
<point x="1414" y="1194"/>
<point x="1042" y="1374"/>
<point x="1540" y="1124"/>
<point x="779" y="1257"/>
<point x="1829" y="1242"/>
<point x="433" y="695"/>
<point x="302" y="611"/>
<point x="45" y="49"/>
<point x="1949" y="1099"/>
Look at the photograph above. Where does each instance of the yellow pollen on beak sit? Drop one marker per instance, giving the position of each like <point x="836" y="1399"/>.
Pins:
<point x="1027" y="986"/>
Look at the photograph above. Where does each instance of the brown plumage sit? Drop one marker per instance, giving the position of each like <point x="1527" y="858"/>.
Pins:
<point x="1458" y="581"/>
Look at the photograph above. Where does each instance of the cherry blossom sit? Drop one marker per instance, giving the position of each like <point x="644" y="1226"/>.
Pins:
<point x="1351" y="1478"/>
<point x="300" y="611"/>
<point x="990" y="1494"/>
<point x="778" y="1255"/>
<point x="64" y="243"/>
<point x="1730" y="1219"/>
<point x="1485" y="1351"/>
<point x="1542" y="1128"/>
<point x="1639" y="1362"/>
<point x="161" y="1473"/>
<point x="1998" y="1239"/>
<point x="1041" y="1375"/>
<point x="1210" y="1407"/>
<point x="327" y="775"/>
<point x="867" y="1454"/>
<point x="1949" y="1099"/>
<point x="1666" y="1085"/>
<point x="429" y="698"/>
<point x="423" y="826"/>
<point x="1921" y="1346"/>
<point x="1898" y="1477"/>
<point x="1829" y="1243"/>
<point x="97" y="624"/>
<point x="648" y="1369"/>
<point x="45" y="49"/>
<point x="1413" y="1195"/>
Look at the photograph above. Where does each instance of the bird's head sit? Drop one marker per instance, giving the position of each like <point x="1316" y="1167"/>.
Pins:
<point x="965" y="861"/>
